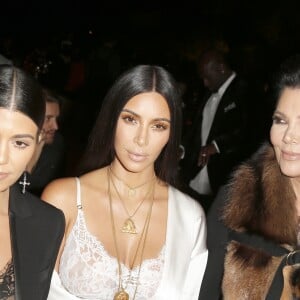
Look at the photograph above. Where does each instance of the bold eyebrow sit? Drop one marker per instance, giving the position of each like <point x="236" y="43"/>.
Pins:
<point x="135" y="114"/>
<point x="278" y="112"/>
<point x="282" y="114"/>
<point x="22" y="136"/>
<point x="130" y="111"/>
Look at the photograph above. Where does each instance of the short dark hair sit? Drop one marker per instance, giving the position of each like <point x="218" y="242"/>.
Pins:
<point x="21" y="92"/>
<point x="215" y="55"/>
<point x="52" y="96"/>
<point x="286" y="76"/>
<point x="139" y="79"/>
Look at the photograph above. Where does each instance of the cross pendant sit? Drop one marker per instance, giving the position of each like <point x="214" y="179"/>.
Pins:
<point x="24" y="183"/>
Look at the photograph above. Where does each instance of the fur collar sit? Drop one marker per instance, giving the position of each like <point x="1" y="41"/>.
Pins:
<point x="262" y="200"/>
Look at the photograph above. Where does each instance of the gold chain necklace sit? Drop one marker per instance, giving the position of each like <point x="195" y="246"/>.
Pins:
<point x="131" y="189"/>
<point x="129" y="225"/>
<point x="121" y="294"/>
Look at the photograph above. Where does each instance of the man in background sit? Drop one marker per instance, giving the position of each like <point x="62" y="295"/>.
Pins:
<point x="48" y="162"/>
<point x="219" y="138"/>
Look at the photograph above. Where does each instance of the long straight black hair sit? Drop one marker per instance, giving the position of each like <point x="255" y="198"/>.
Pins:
<point x="100" y="151"/>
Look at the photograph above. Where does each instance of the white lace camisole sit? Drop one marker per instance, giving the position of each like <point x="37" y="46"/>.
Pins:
<point x="89" y="272"/>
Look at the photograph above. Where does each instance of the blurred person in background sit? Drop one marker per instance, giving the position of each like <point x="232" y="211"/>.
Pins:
<point x="215" y="143"/>
<point x="49" y="161"/>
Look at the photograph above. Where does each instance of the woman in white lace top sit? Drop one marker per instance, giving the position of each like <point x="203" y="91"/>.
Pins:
<point x="130" y="233"/>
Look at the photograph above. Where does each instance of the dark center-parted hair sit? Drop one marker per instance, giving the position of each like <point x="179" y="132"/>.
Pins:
<point x="21" y="92"/>
<point x="286" y="76"/>
<point x="140" y="79"/>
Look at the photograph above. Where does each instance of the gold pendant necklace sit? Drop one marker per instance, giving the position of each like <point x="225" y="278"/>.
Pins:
<point x="131" y="191"/>
<point x="129" y="225"/>
<point x="121" y="294"/>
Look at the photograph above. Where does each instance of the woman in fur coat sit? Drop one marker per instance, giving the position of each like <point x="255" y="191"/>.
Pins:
<point x="254" y="223"/>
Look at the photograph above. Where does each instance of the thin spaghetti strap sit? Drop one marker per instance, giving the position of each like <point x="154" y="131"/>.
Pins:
<point x="78" y="193"/>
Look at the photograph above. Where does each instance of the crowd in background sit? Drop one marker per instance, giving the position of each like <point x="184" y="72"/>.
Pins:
<point x="80" y="66"/>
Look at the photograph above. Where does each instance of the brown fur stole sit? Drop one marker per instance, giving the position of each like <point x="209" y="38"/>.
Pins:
<point x="260" y="201"/>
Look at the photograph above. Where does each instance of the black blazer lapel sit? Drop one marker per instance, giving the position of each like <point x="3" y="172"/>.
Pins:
<point x="18" y="208"/>
<point x="36" y="232"/>
<point x="226" y="101"/>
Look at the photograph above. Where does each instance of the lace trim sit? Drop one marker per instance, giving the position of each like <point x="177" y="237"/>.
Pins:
<point x="7" y="281"/>
<point x="88" y="271"/>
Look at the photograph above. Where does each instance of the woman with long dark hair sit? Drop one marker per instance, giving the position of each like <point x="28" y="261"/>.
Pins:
<point x="130" y="233"/>
<point x="30" y="229"/>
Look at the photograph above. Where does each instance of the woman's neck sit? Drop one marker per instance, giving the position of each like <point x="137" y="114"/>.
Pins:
<point x="131" y="178"/>
<point x="4" y="196"/>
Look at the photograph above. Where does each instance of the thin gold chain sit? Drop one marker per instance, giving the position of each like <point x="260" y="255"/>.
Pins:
<point x="143" y="234"/>
<point x="123" y="203"/>
<point x="133" y="188"/>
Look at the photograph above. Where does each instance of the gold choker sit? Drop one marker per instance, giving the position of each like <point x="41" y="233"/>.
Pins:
<point x="131" y="189"/>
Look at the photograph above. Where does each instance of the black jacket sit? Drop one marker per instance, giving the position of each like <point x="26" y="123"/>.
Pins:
<point x="37" y="229"/>
<point x="229" y="129"/>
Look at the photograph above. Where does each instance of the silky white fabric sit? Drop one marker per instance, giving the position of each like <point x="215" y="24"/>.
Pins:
<point x="201" y="182"/>
<point x="208" y="115"/>
<point x="185" y="253"/>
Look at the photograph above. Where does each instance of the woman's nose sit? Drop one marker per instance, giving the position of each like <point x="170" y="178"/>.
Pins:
<point x="141" y="137"/>
<point x="290" y="137"/>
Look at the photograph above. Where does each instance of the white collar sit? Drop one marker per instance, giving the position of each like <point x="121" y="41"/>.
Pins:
<point x="225" y="85"/>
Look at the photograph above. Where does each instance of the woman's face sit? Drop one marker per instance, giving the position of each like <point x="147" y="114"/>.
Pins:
<point x="285" y="132"/>
<point x="18" y="135"/>
<point x="143" y="129"/>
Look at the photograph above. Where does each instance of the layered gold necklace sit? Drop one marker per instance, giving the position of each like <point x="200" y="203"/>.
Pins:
<point x="129" y="225"/>
<point x="131" y="189"/>
<point x="122" y="294"/>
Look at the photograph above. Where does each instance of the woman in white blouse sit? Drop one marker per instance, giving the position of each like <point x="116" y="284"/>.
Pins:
<point x="130" y="233"/>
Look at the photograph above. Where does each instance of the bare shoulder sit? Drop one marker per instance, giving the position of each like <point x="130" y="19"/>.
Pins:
<point x="61" y="193"/>
<point x="95" y="180"/>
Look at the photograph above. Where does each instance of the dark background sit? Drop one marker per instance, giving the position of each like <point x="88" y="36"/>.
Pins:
<point x="159" y="28"/>
<point x="237" y="21"/>
<point x="156" y="27"/>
